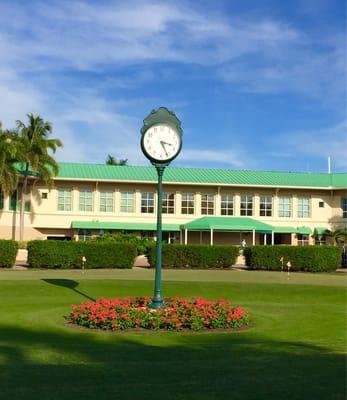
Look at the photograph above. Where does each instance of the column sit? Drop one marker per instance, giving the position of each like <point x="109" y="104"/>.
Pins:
<point x="137" y="201"/>
<point x="253" y="237"/>
<point x="211" y="238"/>
<point x="178" y="202"/>
<point x="116" y="201"/>
<point x="217" y="202"/>
<point x="75" y="199"/>
<point x="237" y="204"/>
<point x="256" y="205"/>
<point x="96" y="199"/>
<point x="198" y="203"/>
<point x="185" y="236"/>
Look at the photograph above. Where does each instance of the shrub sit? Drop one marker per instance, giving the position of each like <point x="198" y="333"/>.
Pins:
<point x="141" y="243"/>
<point x="8" y="253"/>
<point x="302" y="258"/>
<point x="65" y="254"/>
<point x="177" y="314"/>
<point x="194" y="256"/>
<point x="22" y="244"/>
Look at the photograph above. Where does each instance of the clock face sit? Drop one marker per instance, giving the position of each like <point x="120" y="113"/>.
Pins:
<point x="161" y="142"/>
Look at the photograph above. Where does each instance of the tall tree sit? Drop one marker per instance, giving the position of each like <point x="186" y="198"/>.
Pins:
<point x="8" y="153"/>
<point x="34" y="156"/>
<point x="113" y="161"/>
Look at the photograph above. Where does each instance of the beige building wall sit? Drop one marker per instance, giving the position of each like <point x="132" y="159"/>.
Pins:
<point x="45" y="220"/>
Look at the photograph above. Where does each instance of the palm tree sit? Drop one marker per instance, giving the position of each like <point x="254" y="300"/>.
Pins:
<point x="34" y="158"/>
<point x="339" y="236"/>
<point x="113" y="161"/>
<point x="8" y="152"/>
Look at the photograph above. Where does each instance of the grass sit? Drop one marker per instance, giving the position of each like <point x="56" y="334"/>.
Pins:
<point x="295" y="348"/>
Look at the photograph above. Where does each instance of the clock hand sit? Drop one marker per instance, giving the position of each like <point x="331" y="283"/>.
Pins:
<point x="163" y="146"/>
<point x="162" y="142"/>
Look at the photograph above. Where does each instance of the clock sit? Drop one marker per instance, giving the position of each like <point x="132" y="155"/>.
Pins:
<point x="161" y="143"/>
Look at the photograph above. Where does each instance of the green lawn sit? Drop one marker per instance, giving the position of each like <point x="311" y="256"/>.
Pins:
<point x="295" y="348"/>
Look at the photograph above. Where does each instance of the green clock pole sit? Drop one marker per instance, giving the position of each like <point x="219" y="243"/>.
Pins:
<point x="150" y="140"/>
<point x="158" y="301"/>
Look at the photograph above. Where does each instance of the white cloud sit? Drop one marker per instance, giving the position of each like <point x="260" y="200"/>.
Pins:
<point x="232" y="158"/>
<point x="318" y="143"/>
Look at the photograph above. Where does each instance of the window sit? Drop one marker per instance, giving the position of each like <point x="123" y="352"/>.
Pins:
<point x="207" y="204"/>
<point x="127" y="202"/>
<point x="86" y="200"/>
<point x="188" y="203"/>
<point x="84" y="234"/>
<point x="321" y="204"/>
<point x="246" y="205"/>
<point x="15" y="203"/>
<point x="285" y="207"/>
<point x="64" y="200"/>
<point x="106" y="201"/>
<point x="168" y="203"/>
<point x="265" y="207"/>
<point x="344" y="208"/>
<point x="303" y="207"/>
<point x="227" y="205"/>
<point x="44" y="195"/>
<point x="303" y="240"/>
<point x="1" y="200"/>
<point x="147" y="202"/>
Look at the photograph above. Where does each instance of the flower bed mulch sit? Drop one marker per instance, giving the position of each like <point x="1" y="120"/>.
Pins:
<point x="178" y="314"/>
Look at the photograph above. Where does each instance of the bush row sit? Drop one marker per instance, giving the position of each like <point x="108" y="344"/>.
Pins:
<point x="8" y="253"/>
<point x="194" y="256"/>
<point x="65" y="254"/>
<point x="302" y="258"/>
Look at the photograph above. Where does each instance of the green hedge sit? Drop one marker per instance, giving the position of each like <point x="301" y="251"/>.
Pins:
<point x="194" y="256"/>
<point x="8" y="253"/>
<point x="302" y="258"/>
<point x="65" y="254"/>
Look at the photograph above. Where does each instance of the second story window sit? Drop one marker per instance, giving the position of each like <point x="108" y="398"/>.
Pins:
<point x="168" y="203"/>
<point x="64" y="199"/>
<point x="188" y="203"/>
<point x="227" y="205"/>
<point x="147" y="202"/>
<point x="106" y="201"/>
<point x="285" y="207"/>
<point x="303" y="207"/>
<point x="265" y="206"/>
<point x="246" y="205"/>
<point x="207" y="204"/>
<point x="1" y="200"/>
<point x="86" y="200"/>
<point x="344" y="208"/>
<point x="127" y="203"/>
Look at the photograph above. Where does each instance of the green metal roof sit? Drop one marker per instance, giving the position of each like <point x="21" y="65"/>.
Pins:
<point x="320" y="230"/>
<point x="202" y="176"/>
<point x="304" y="230"/>
<point x="126" y="226"/>
<point x="284" y="229"/>
<point x="227" y="224"/>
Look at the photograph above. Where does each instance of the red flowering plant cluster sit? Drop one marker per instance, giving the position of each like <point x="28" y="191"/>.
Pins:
<point x="178" y="314"/>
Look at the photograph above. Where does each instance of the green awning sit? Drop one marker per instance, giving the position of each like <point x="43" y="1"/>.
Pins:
<point x="227" y="224"/>
<point x="284" y="229"/>
<point x="304" y="230"/>
<point x="321" y="231"/>
<point x="123" y="226"/>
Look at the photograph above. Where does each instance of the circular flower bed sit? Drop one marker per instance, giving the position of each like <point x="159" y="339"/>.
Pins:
<point x="178" y="314"/>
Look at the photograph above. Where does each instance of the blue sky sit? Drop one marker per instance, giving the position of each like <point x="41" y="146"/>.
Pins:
<point x="257" y="84"/>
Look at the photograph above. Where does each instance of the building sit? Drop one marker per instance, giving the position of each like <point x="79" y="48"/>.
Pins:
<point x="219" y="206"/>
